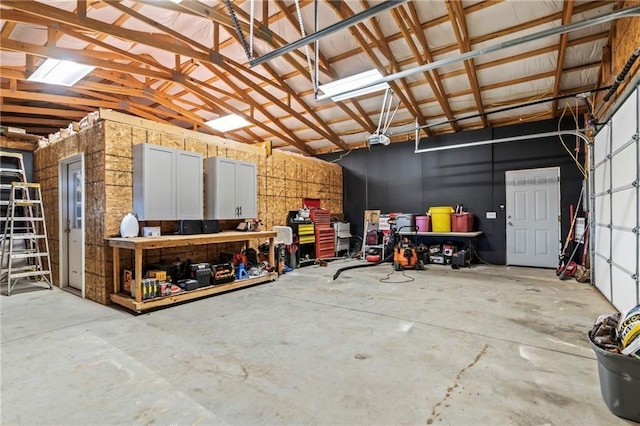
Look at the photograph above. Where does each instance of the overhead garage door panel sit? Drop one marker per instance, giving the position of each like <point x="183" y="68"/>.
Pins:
<point x="625" y="290"/>
<point x="602" y="144"/>
<point x="603" y="212"/>
<point x="602" y="178"/>
<point x="623" y="166"/>
<point x="623" y="250"/>
<point x="624" y="205"/>
<point x="602" y="278"/>
<point x="624" y="123"/>
<point x="603" y="241"/>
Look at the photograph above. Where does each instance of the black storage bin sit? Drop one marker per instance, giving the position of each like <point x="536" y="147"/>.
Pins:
<point x="619" y="382"/>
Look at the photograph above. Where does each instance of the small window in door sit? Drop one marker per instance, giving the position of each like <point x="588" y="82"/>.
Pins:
<point x="76" y="179"/>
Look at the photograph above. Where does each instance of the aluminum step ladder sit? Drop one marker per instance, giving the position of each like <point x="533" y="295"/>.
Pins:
<point x="24" y="242"/>
<point x="11" y="170"/>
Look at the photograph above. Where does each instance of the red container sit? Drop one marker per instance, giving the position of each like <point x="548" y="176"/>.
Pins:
<point x="423" y="223"/>
<point x="461" y="222"/>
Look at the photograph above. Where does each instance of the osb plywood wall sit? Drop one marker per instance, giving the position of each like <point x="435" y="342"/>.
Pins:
<point x="283" y="180"/>
<point x="90" y="142"/>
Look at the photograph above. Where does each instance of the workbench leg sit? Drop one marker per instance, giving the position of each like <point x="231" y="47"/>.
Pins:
<point x="272" y="255"/>
<point x="138" y="256"/>
<point x="116" y="270"/>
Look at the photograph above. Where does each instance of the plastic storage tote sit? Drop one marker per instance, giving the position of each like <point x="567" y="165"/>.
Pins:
<point x="462" y="222"/>
<point x="423" y="223"/>
<point x="405" y="222"/>
<point x="441" y="218"/>
<point x="619" y="382"/>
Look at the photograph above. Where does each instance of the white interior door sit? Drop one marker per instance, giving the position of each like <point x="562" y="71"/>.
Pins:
<point x="73" y="218"/>
<point x="533" y="229"/>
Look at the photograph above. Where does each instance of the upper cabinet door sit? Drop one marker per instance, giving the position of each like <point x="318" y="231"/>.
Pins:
<point x="220" y="177"/>
<point x="189" y="185"/>
<point x="246" y="190"/>
<point x="154" y="182"/>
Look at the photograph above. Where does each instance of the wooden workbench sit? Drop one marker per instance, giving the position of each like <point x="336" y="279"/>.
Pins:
<point x="140" y="244"/>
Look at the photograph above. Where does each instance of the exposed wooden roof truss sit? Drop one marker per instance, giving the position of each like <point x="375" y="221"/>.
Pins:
<point x="184" y="63"/>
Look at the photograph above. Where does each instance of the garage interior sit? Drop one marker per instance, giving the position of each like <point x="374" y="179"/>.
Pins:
<point x="354" y="123"/>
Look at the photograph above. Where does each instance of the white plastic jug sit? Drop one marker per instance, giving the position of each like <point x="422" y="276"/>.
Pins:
<point x="129" y="226"/>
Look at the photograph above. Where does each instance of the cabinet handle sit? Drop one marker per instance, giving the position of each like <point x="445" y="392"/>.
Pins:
<point x="237" y="211"/>
<point x="240" y="210"/>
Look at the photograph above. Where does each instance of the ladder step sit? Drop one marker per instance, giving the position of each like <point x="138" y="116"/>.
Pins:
<point x="23" y="203"/>
<point x="26" y="219"/>
<point x="29" y="274"/>
<point x="10" y="169"/>
<point x="28" y="255"/>
<point x="7" y="154"/>
<point x="27" y="236"/>
<point x="25" y="185"/>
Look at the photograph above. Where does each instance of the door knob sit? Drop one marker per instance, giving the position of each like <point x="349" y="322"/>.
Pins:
<point x="509" y="223"/>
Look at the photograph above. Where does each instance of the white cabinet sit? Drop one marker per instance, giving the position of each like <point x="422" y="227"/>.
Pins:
<point x="167" y="183"/>
<point x="231" y="189"/>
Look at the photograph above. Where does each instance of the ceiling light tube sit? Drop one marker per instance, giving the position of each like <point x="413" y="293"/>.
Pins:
<point x="352" y="86"/>
<point x="64" y="73"/>
<point x="227" y="123"/>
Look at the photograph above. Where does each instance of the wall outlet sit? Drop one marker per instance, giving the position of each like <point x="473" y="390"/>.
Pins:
<point x="491" y="215"/>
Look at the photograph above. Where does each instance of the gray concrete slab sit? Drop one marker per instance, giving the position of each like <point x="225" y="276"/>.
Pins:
<point x="486" y="345"/>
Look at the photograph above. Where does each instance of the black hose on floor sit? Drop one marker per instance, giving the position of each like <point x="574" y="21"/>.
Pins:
<point x="390" y="245"/>
<point x="346" y="268"/>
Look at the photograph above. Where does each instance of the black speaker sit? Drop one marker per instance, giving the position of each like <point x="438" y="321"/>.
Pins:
<point x="189" y="227"/>
<point x="210" y="226"/>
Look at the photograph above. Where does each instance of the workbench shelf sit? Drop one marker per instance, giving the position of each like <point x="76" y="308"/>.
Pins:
<point x="130" y="303"/>
<point x="139" y="244"/>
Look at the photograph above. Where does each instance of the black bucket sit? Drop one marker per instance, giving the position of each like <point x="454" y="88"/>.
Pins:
<point x="619" y="382"/>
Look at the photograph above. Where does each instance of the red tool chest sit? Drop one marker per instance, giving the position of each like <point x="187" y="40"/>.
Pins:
<point x="321" y="218"/>
<point x="325" y="243"/>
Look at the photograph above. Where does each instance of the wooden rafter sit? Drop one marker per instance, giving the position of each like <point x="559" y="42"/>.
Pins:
<point x="459" y="23"/>
<point x="435" y="82"/>
<point x="344" y="11"/>
<point x="566" y="18"/>
<point x="221" y="64"/>
<point x="133" y="74"/>
<point x="300" y="70"/>
<point x="388" y="53"/>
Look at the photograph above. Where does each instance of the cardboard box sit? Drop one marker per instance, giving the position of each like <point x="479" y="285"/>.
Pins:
<point x="150" y="231"/>
<point x="127" y="279"/>
<point x="157" y="274"/>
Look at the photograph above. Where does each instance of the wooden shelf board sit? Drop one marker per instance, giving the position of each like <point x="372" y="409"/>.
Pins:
<point x="131" y="304"/>
<point x="472" y="234"/>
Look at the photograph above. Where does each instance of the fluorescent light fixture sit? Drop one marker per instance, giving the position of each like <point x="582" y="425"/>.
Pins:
<point x="351" y="85"/>
<point x="176" y="1"/>
<point x="64" y="73"/>
<point x="227" y="123"/>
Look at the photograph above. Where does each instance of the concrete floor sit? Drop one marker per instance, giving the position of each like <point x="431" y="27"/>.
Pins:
<point x="486" y="345"/>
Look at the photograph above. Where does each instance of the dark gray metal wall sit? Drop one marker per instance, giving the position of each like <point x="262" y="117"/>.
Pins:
<point x="395" y="179"/>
